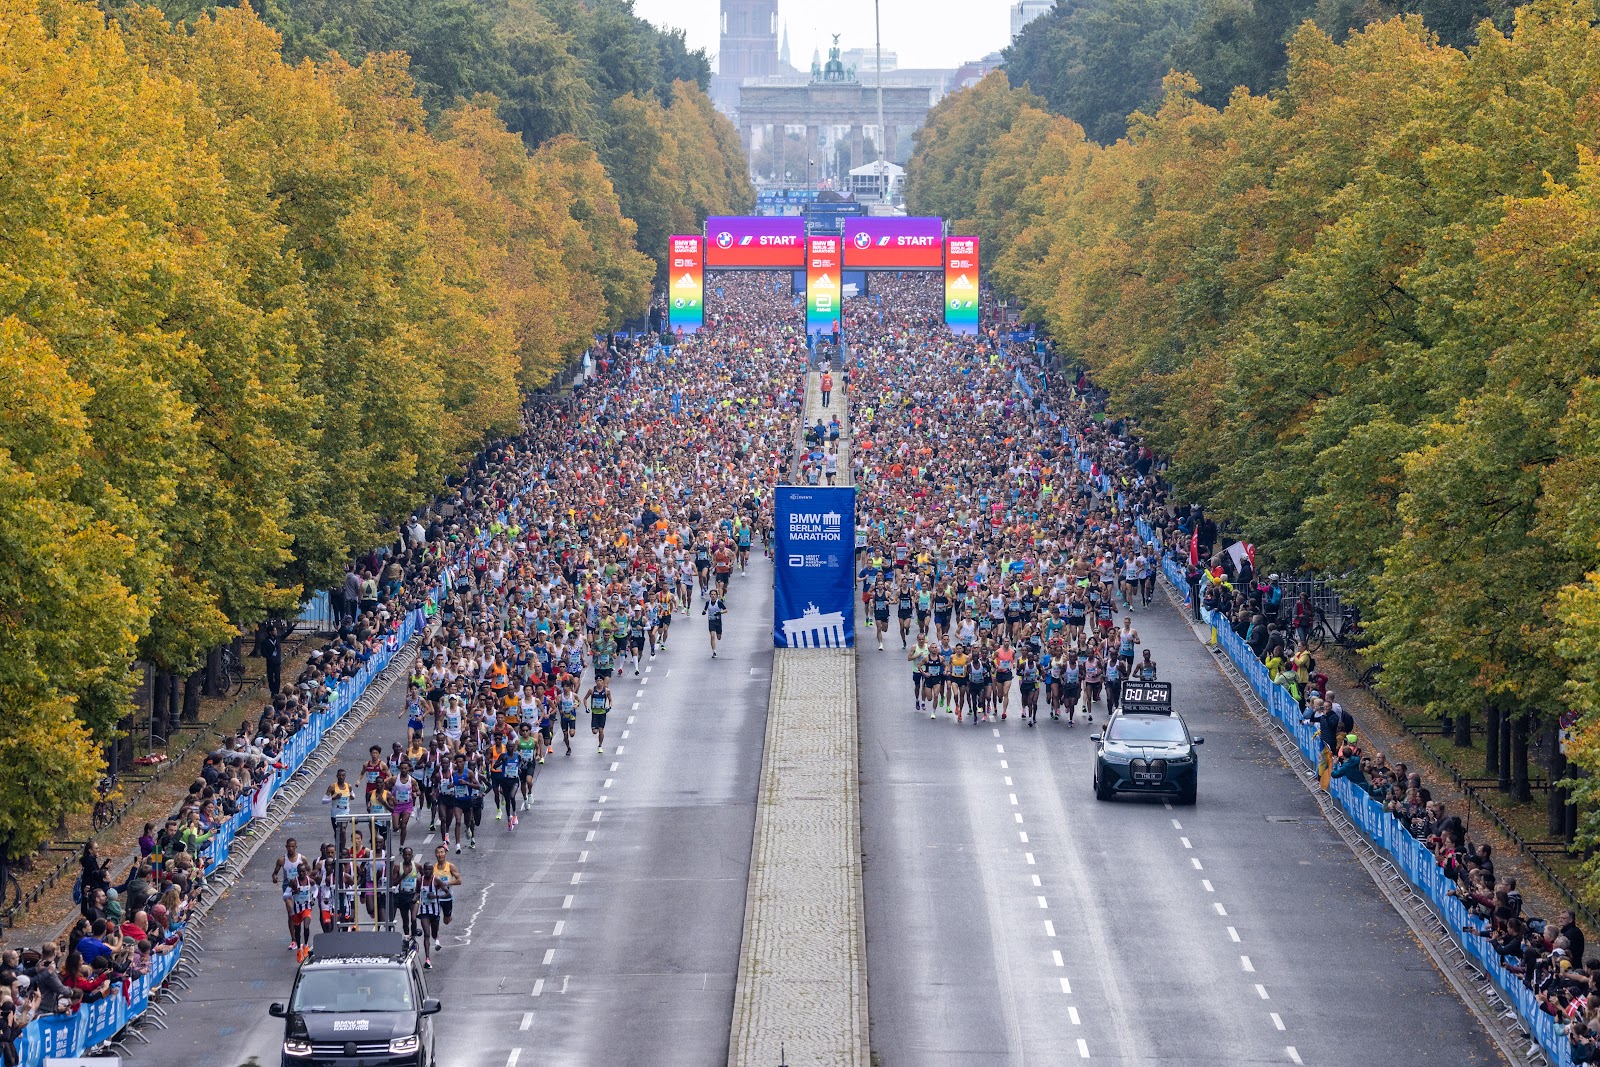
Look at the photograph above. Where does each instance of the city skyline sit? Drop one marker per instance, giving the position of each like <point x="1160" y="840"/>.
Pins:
<point x="939" y="33"/>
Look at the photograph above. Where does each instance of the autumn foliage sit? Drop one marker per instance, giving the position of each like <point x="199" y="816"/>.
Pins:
<point x="1359" y="314"/>
<point x="249" y="312"/>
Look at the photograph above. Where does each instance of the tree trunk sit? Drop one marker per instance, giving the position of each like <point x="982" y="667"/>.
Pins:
<point x="1572" y="812"/>
<point x="1556" y="799"/>
<point x="174" y="707"/>
<point x="158" y="709"/>
<point x="192" y="686"/>
<point x="1504" y="783"/>
<point x="1464" y="728"/>
<point x="213" y="671"/>
<point x="1491" y="738"/>
<point x="1519" y="758"/>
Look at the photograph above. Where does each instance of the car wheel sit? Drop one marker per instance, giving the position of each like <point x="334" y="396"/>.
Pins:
<point x="1100" y="791"/>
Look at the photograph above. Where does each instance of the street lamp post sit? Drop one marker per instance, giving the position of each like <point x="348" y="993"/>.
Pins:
<point x="877" y="29"/>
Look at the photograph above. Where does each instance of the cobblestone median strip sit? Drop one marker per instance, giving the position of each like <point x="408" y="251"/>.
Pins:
<point x="802" y="990"/>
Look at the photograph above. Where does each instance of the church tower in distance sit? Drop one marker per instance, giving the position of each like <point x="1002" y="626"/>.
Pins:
<point x="749" y="39"/>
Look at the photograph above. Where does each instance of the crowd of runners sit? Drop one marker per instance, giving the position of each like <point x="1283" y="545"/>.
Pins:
<point x="614" y="515"/>
<point x="999" y="565"/>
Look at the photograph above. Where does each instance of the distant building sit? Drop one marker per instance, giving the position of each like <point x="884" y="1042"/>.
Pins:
<point x="750" y="48"/>
<point x="865" y="60"/>
<point x="970" y="74"/>
<point x="1024" y="12"/>
<point x="749" y="45"/>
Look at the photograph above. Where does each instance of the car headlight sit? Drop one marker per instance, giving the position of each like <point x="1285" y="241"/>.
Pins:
<point x="404" y="1044"/>
<point x="1180" y="761"/>
<point x="1111" y="755"/>
<point x="296" y="1046"/>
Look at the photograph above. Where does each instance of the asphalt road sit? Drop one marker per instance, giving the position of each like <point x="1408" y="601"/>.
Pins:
<point x="605" y="930"/>
<point x="1013" y="919"/>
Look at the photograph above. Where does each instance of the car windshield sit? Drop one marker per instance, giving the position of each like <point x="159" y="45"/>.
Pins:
<point x="1146" y="728"/>
<point x="353" y="990"/>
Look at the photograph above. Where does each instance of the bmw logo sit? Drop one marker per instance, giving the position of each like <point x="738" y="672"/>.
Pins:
<point x="863" y="239"/>
<point x="724" y="239"/>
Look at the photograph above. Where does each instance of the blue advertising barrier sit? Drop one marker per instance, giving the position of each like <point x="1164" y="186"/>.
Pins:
<point x="1404" y="851"/>
<point x="813" y="603"/>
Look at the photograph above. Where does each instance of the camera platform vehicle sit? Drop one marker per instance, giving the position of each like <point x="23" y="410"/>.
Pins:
<point x="359" y="1000"/>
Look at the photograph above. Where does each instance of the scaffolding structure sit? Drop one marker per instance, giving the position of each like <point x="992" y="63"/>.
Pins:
<point x="363" y="894"/>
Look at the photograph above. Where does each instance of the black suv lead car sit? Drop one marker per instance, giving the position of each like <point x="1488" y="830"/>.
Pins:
<point x="1146" y="748"/>
<point x="359" y="1000"/>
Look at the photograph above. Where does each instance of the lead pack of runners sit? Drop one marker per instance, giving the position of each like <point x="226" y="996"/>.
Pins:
<point x="999" y="564"/>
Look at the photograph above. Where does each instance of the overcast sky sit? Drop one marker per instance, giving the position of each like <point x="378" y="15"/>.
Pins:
<point x="924" y="33"/>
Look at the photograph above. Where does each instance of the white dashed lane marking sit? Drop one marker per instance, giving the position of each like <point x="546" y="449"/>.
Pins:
<point x="1277" y="1021"/>
<point x="527" y="1021"/>
<point x="1263" y="991"/>
<point x="1244" y="961"/>
<point x="549" y="956"/>
<point x="1293" y="1055"/>
<point x="538" y="985"/>
<point x="1233" y="934"/>
<point x="561" y="924"/>
<point x="1083" y="1049"/>
<point x="511" y="1060"/>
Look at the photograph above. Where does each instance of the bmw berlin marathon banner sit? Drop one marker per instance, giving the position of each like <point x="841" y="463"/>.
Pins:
<point x="961" y="285"/>
<point x="814" y="594"/>
<point x="893" y="243"/>
<point x="749" y="242"/>
<point x="686" y="293"/>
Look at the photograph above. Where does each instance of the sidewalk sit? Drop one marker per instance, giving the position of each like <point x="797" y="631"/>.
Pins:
<point x="802" y="990"/>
